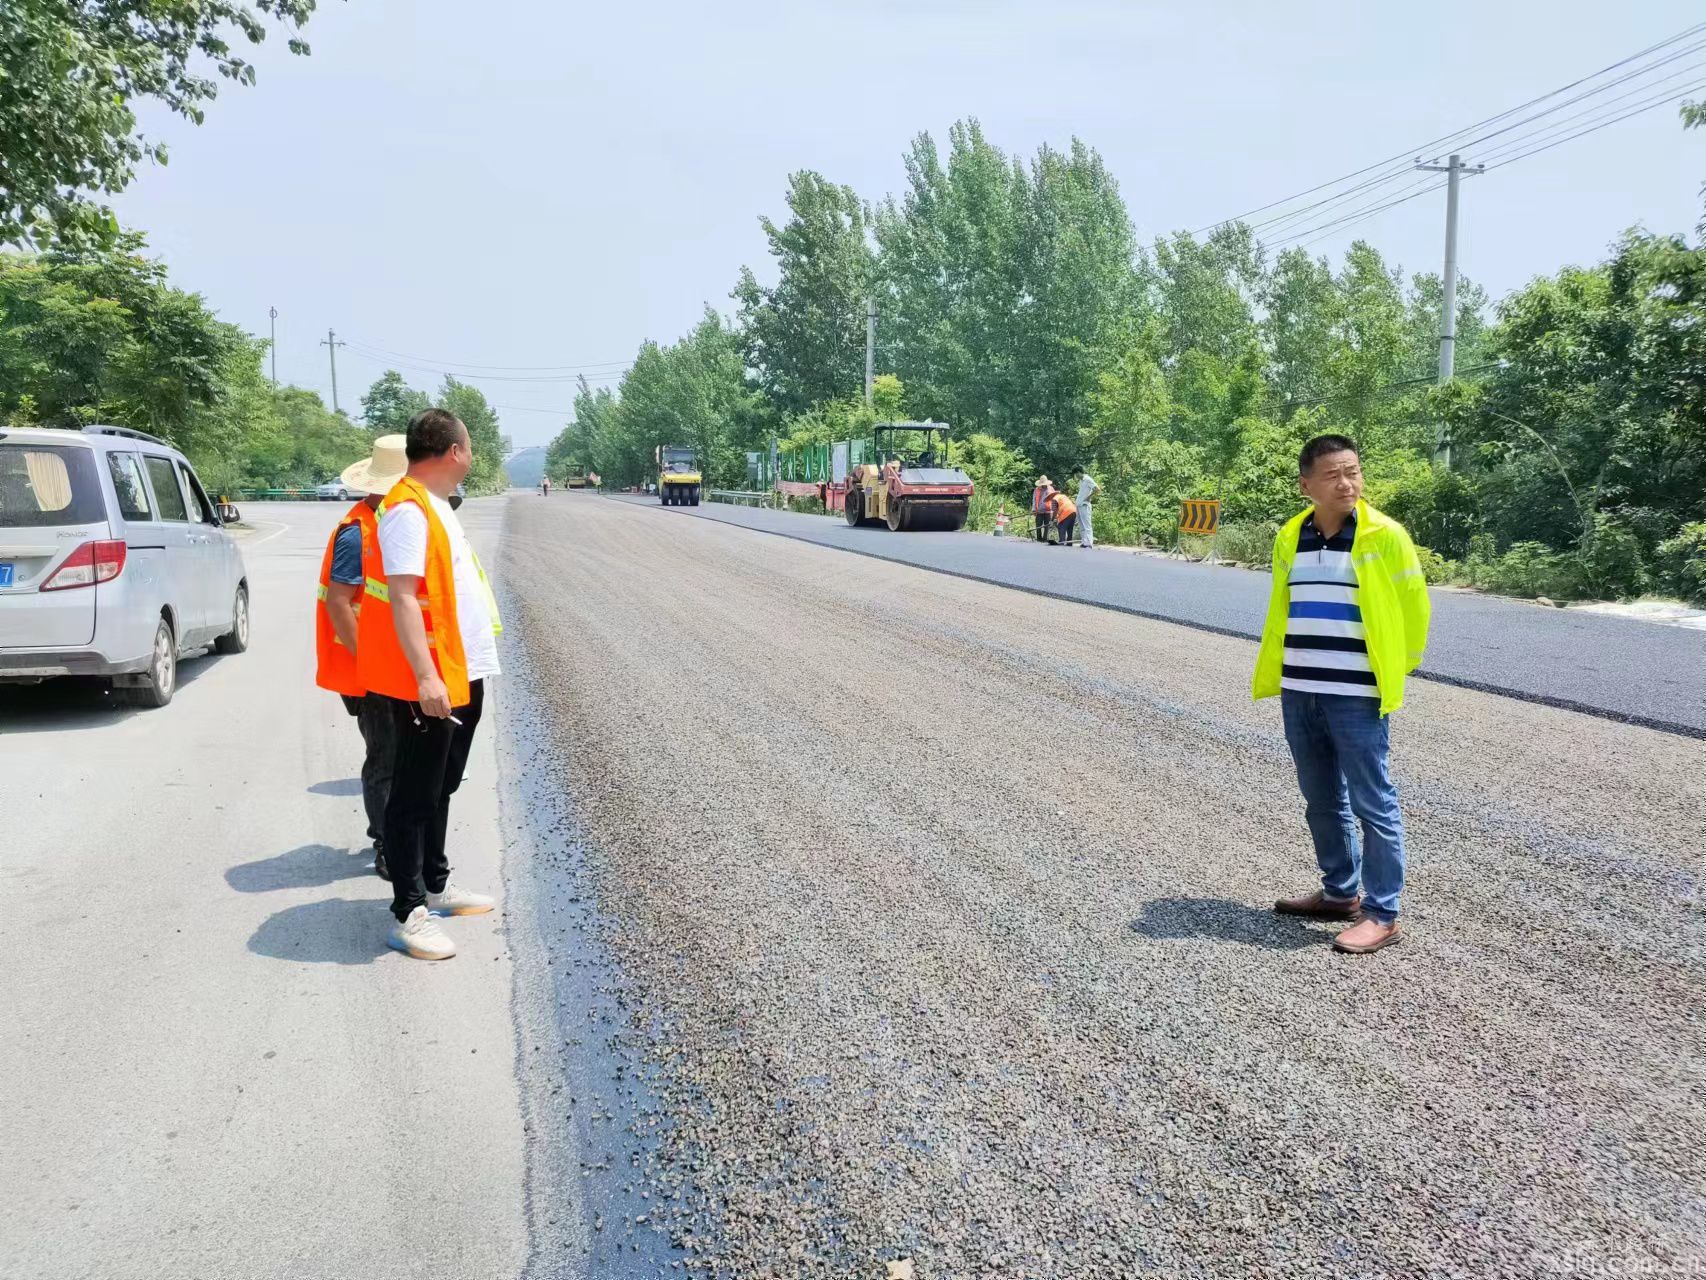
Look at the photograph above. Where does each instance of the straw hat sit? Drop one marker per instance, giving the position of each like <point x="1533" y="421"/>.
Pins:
<point x="376" y="474"/>
<point x="1042" y="480"/>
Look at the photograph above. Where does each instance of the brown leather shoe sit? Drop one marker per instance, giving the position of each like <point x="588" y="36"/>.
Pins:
<point x="1366" y="936"/>
<point x="1318" y="906"/>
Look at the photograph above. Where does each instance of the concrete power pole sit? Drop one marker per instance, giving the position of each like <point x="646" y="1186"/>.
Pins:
<point x="1454" y="169"/>
<point x="272" y="345"/>
<point x="870" y="348"/>
<point x="331" y="343"/>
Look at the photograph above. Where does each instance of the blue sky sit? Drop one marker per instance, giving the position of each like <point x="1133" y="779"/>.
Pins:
<point x="514" y="184"/>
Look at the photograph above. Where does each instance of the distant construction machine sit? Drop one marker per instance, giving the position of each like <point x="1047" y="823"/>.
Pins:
<point x="910" y="485"/>
<point x="678" y="475"/>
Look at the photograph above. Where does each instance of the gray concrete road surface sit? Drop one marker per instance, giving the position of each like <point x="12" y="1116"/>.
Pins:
<point x="210" y="1064"/>
<point x="1617" y="667"/>
<point x="947" y="909"/>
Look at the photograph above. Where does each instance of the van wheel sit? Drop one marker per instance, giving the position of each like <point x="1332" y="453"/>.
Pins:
<point x="162" y="673"/>
<point x="236" y="640"/>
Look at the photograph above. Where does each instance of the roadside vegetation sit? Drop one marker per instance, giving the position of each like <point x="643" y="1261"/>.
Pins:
<point x="1015" y="303"/>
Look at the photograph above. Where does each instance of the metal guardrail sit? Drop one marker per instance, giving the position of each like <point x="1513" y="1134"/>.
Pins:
<point x="756" y="497"/>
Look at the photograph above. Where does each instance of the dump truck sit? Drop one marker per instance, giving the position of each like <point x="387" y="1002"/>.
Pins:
<point x="678" y="475"/>
<point x="910" y="484"/>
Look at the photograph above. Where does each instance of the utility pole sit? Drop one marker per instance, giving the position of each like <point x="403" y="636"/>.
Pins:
<point x="1454" y="169"/>
<point x="272" y="345"/>
<point x="870" y="348"/>
<point x="331" y="343"/>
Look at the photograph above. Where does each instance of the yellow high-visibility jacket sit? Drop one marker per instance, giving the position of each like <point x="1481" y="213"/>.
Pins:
<point x="1391" y="591"/>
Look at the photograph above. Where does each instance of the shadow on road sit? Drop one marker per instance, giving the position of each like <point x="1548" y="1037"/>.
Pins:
<point x="307" y="867"/>
<point x="337" y="931"/>
<point x="1222" y="920"/>
<point x="81" y="702"/>
<point x="337" y="787"/>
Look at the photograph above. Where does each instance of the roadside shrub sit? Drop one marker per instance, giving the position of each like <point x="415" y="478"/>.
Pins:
<point x="986" y="505"/>
<point x="1438" y="507"/>
<point x="1681" y="563"/>
<point x="1248" y="542"/>
<point x="1611" y="562"/>
<point x="1438" y="569"/>
<point x="1528" y="569"/>
<point x="1117" y="525"/>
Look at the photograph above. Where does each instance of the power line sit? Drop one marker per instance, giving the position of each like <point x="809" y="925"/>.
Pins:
<point x="1389" y="175"/>
<point x="1310" y="234"/>
<point x="1496" y="162"/>
<point x="497" y="368"/>
<point x="1390" y="169"/>
<point x="1633" y="75"/>
<point x="484" y="377"/>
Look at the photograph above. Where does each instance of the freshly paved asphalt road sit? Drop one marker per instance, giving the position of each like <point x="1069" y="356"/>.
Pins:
<point x="211" y="1067"/>
<point x="1628" y="670"/>
<point x="943" y="915"/>
<point x="946" y="911"/>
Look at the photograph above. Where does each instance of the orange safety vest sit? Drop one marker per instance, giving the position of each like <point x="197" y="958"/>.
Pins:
<point x="1039" y="500"/>
<point x="383" y="666"/>
<point x="335" y="667"/>
<point x="1063" y="507"/>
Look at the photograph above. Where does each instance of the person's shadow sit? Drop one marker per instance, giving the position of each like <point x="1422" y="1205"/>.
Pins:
<point x="336" y="931"/>
<point x="306" y="867"/>
<point x="337" y="787"/>
<point x="1223" y="920"/>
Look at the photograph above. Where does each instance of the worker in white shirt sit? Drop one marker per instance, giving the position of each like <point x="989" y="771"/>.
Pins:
<point x="1087" y="488"/>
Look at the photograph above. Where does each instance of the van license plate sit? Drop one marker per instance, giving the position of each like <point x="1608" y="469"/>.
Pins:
<point x="5" y="573"/>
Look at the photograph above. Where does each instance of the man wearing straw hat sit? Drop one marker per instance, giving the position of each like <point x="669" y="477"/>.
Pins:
<point x="1040" y="509"/>
<point x="352" y="556"/>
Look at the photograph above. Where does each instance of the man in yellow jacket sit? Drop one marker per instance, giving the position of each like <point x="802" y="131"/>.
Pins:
<point x="1347" y="621"/>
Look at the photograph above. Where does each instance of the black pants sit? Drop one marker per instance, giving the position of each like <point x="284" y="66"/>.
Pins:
<point x="1065" y="527"/>
<point x="431" y="755"/>
<point x="379" y="734"/>
<point x="1042" y="526"/>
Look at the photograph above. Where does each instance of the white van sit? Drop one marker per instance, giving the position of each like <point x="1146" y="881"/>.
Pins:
<point x="113" y="562"/>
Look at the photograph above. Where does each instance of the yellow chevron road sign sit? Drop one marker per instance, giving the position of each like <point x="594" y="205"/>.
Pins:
<point x="1200" y="516"/>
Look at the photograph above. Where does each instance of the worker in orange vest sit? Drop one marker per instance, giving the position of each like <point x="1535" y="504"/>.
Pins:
<point x="1040" y="507"/>
<point x="427" y="645"/>
<point x="1065" y="514"/>
<point x="352" y="554"/>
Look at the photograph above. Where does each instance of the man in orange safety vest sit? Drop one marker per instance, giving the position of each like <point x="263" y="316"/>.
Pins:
<point x="427" y="645"/>
<point x="352" y="554"/>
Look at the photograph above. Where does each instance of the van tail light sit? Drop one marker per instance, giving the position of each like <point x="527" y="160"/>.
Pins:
<point x="91" y="563"/>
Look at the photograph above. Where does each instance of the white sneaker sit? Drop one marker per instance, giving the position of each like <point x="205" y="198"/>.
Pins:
<point x="457" y="901"/>
<point x="420" y="937"/>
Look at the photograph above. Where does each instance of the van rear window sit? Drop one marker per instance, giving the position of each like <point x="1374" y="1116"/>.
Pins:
<point x="48" y="484"/>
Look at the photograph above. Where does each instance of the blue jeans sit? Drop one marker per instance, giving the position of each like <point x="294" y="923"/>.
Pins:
<point x="1339" y="745"/>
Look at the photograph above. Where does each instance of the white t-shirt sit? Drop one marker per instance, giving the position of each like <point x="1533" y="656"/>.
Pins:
<point x="1086" y="487"/>
<point x="403" y="544"/>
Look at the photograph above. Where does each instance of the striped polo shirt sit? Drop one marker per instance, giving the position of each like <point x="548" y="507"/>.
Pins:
<point x="1324" y="647"/>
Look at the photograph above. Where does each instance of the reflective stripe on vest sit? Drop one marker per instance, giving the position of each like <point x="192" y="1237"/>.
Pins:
<point x="384" y="666"/>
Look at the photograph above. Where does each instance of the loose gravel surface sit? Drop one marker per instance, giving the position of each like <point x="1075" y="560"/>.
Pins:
<point x="945" y="910"/>
<point x="1618" y="667"/>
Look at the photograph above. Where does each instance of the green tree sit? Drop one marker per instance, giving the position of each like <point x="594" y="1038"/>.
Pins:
<point x="1007" y="288"/>
<point x="805" y="337"/>
<point x="1301" y="307"/>
<point x="470" y="404"/>
<point x="693" y="392"/>
<point x="100" y="335"/>
<point x="70" y="78"/>
<point x="390" y="403"/>
<point x="1204" y="291"/>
